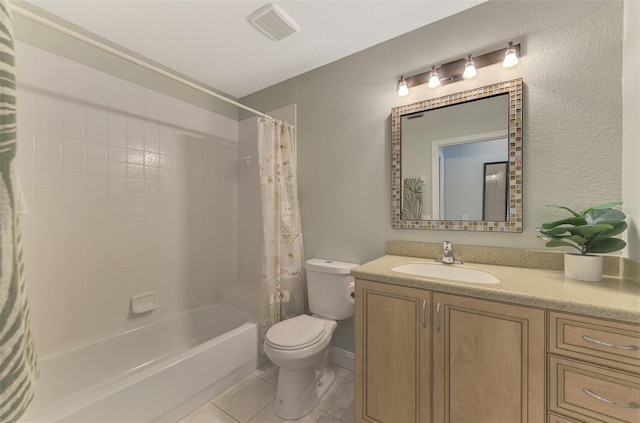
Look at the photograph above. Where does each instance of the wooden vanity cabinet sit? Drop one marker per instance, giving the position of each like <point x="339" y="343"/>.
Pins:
<point x="424" y="356"/>
<point x="594" y="369"/>
<point x="392" y="353"/>
<point x="488" y="361"/>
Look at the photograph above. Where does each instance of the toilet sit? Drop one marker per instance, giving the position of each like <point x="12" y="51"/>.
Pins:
<point x="300" y="345"/>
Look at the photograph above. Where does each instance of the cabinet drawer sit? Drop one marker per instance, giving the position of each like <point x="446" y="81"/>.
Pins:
<point x="606" y="342"/>
<point x="591" y="393"/>
<point x="554" y="418"/>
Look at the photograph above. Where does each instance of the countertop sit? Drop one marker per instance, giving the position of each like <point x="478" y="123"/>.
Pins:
<point x="613" y="298"/>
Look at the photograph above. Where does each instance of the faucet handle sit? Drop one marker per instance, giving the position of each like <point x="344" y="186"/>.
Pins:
<point x="447" y="254"/>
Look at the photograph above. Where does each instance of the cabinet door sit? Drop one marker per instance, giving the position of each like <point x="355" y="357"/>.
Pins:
<point x="488" y="360"/>
<point x="392" y="353"/>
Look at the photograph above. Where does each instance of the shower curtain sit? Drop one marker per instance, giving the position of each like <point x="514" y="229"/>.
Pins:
<point x="282" y="264"/>
<point x="18" y="366"/>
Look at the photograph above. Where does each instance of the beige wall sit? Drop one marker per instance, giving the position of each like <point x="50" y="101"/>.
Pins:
<point x="631" y="126"/>
<point x="571" y="67"/>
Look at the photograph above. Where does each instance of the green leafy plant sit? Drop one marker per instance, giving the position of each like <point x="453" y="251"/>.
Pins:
<point x="591" y="231"/>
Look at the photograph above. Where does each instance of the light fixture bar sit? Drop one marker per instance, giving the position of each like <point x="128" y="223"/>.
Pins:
<point x="452" y="71"/>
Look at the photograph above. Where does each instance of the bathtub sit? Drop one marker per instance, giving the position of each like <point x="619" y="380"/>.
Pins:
<point x="156" y="373"/>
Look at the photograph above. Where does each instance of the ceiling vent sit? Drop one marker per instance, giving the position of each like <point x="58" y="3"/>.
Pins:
<point x="273" y="22"/>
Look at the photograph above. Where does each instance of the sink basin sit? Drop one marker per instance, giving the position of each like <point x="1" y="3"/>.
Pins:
<point x="447" y="271"/>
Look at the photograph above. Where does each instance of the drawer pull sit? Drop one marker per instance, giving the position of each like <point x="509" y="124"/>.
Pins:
<point x="423" y="313"/>
<point x="608" y="401"/>
<point x="438" y="317"/>
<point x="606" y="344"/>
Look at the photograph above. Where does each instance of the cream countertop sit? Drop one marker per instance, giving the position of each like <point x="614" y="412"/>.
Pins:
<point x="612" y="298"/>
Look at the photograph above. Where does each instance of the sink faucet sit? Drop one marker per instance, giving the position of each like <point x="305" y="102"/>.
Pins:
<point x="447" y="254"/>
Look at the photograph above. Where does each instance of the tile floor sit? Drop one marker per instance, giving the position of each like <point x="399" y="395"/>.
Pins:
<point x="251" y="401"/>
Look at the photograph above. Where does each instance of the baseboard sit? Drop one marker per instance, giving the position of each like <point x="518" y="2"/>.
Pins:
<point x="342" y="358"/>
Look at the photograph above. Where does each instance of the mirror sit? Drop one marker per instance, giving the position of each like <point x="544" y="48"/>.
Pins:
<point x="457" y="161"/>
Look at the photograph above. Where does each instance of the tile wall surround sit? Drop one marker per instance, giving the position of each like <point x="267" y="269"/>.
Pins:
<point x="532" y="259"/>
<point x="127" y="191"/>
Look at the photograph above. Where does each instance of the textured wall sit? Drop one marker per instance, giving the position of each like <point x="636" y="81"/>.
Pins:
<point x="571" y="67"/>
<point x="631" y="128"/>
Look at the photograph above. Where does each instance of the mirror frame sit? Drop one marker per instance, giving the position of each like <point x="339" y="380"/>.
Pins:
<point x="514" y="224"/>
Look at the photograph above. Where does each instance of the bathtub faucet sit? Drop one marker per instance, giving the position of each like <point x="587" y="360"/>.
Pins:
<point x="447" y="254"/>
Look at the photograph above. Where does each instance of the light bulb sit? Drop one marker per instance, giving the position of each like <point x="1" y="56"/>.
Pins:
<point x="469" y="69"/>
<point x="510" y="57"/>
<point x="434" y="79"/>
<point x="403" y="88"/>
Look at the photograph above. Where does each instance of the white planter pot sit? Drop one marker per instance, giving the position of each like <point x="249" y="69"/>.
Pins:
<point x="583" y="268"/>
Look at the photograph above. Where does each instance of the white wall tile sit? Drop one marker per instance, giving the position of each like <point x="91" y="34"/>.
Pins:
<point x="97" y="166"/>
<point x="49" y="290"/>
<point x="117" y="154"/>
<point x="123" y="187"/>
<point x="74" y="250"/>
<point x="96" y="150"/>
<point x="46" y="160"/>
<point x="48" y="179"/>
<point x="98" y="134"/>
<point x="47" y="272"/>
<point x="96" y="117"/>
<point x="135" y="142"/>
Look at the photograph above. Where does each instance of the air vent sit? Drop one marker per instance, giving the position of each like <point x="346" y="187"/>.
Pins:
<point x="273" y="22"/>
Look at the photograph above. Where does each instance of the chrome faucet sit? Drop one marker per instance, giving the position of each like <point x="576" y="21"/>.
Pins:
<point x="447" y="254"/>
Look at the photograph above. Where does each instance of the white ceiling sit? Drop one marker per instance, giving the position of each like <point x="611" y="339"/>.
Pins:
<point x="213" y="42"/>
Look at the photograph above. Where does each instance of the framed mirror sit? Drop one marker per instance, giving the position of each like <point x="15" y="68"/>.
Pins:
<point x="457" y="161"/>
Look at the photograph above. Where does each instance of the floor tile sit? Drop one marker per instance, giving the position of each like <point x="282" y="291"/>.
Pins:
<point x="246" y="398"/>
<point x="343" y="408"/>
<point x="268" y="372"/>
<point x="252" y="401"/>
<point x="343" y="373"/>
<point x="268" y="415"/>
<point x="208" y="413"/>
<point x="328" y="418"/>
<point x="338" y="387"/>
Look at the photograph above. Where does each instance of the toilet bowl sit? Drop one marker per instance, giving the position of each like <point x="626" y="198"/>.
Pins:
<point x="299" y="346"/>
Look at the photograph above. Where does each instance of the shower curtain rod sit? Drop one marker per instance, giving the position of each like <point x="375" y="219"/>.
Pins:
<point x="60" y="28"/>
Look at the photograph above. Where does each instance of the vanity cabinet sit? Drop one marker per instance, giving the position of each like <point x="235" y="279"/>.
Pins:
<point x="425" y="356"/>
<point x="393" y="353"/>
<point x="488" y="361"/>
<point x="594" y="369"/>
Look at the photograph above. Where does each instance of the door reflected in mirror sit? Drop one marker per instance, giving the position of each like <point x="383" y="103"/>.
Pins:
<point x="457" y="161"/>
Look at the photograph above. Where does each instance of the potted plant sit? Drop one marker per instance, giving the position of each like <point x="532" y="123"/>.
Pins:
<point x="590" y="232"/>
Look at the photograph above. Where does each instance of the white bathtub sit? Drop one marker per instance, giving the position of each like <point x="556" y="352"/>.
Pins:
<point x="155" y="373"/>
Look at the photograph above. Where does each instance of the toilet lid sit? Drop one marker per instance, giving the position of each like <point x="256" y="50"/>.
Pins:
<point x="297" y="332"/>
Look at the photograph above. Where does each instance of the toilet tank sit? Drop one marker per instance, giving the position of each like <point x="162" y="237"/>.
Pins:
<point x="327" y="283"/>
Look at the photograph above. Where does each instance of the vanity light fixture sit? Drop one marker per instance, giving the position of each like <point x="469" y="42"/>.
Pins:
<point x="434" y="79"/>
<point x="461" y="68"/>
<point x="469" y="69"/>
<point x="510" y="57"/>
<point x="403" y="89"/>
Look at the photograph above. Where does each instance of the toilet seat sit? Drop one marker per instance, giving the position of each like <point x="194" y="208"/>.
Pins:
<point x="296" y="333"/>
